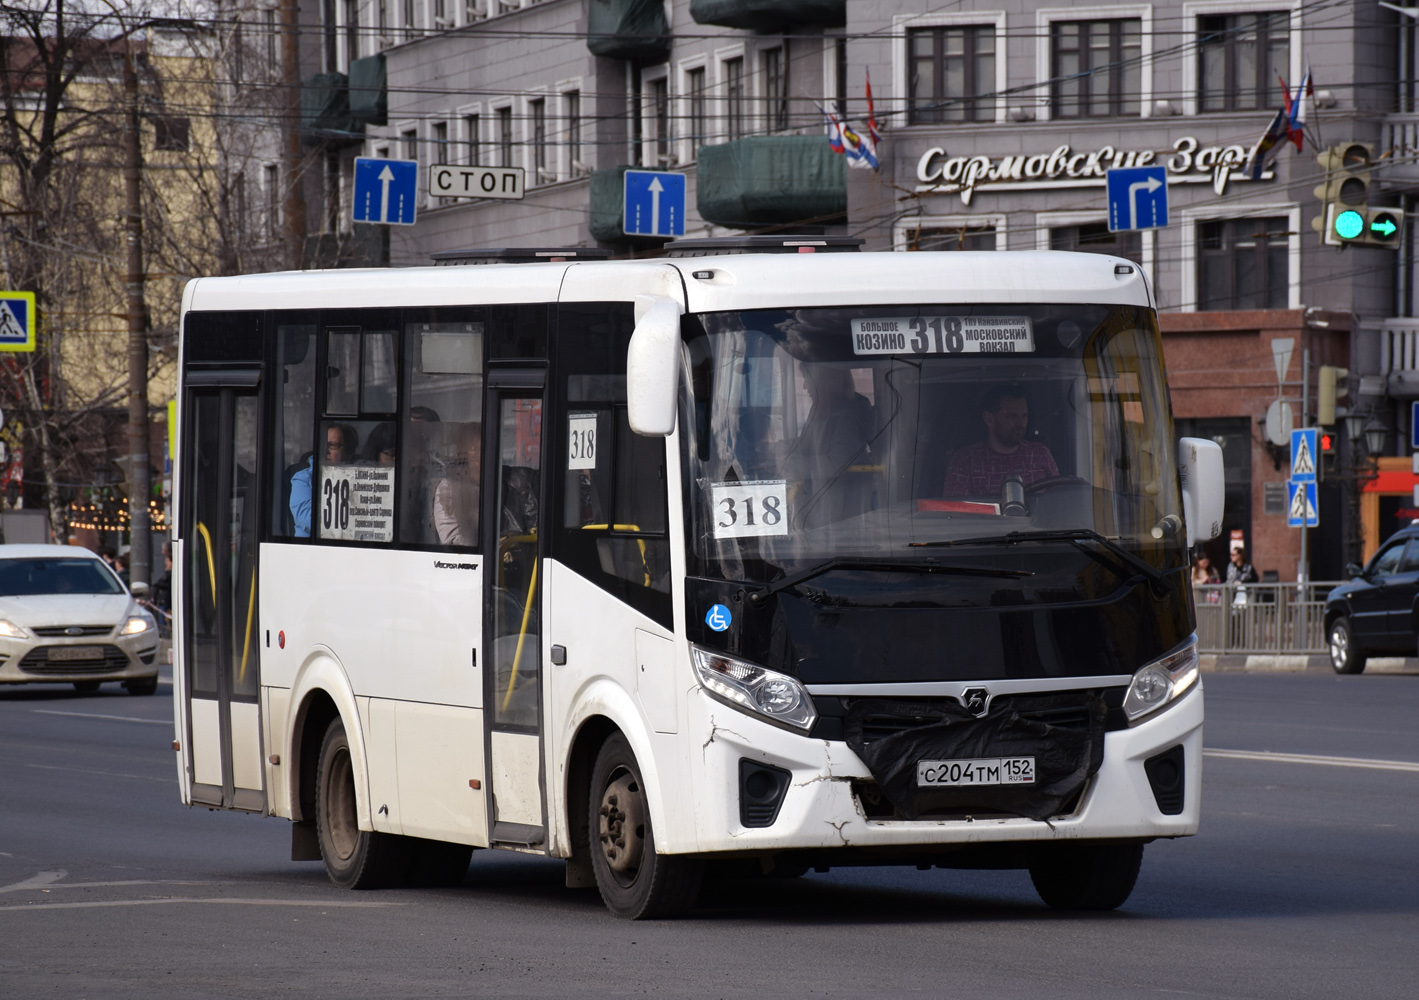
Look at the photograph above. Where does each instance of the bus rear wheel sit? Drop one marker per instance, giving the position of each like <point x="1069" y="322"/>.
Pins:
<point x="636" y="882"/>
<point x="1087" y="876"/>
<point x="354" y="858"/>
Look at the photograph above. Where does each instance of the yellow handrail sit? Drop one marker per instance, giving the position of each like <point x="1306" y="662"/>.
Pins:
<point x="246" y="645"/>
<point x="521" y="636"/>
<point x="211" y="562"/>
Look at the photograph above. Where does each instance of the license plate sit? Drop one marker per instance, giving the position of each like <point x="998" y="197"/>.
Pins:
<point x="988" y="771"/>
<point x="66" y="654"/>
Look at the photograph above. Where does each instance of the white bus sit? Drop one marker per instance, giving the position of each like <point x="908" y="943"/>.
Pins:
<point x="765" y="556"/>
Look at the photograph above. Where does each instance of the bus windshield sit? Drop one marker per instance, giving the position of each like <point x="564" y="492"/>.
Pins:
<point x="893" y="432"/>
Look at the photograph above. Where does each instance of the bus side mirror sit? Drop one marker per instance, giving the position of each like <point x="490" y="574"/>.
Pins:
<point x="1203" y="482"/>
<point x="653" y="367"/>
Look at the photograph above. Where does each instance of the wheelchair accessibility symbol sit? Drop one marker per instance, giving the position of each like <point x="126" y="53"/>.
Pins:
<point x="718" y="618"/>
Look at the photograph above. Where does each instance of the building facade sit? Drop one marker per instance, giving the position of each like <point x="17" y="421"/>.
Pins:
<point x="999" y="125"/>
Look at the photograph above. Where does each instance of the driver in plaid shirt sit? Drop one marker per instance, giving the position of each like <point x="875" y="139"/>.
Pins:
<point x="979" y="469"/>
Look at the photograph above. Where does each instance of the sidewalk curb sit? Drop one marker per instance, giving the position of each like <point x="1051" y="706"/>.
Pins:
<point x="1215" y="663"/>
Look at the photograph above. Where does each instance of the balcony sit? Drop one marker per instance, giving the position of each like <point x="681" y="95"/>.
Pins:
<point x="1400" y="133"/>
<point x="325" y="111"/>
<point x="769" y="15"/>
<point x="772" y="181"/>
<point x="628" y="29"/>
<point x="369" y="92"/>
<point x="1399" y="357"/>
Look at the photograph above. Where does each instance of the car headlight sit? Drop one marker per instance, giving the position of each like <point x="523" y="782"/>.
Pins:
<point x="757" y="690"/>
<point x="1162" y="681"/>
<point x="12" y="631"/>
<point x="135" y="625"/>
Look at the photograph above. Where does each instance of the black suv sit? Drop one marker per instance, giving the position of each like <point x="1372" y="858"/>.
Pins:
<point x="1378" y="610"/>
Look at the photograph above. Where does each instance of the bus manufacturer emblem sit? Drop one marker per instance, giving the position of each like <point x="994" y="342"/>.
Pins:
<point x="975" y="701"/>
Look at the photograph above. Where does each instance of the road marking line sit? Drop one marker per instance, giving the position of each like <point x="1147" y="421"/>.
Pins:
<point x="106" y="774"/>
<point x="1305" y="758"/>
<point x="38" y="881"/>
<point x="93" y="715"/>
<point x="96" y="904"/>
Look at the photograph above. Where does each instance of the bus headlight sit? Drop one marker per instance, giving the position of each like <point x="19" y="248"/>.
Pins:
<point x="773" y="696"/>
<point x="1162" y="681"/>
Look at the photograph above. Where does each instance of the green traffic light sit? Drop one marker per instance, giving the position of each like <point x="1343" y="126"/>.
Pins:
<point x="1349" y="224"/>
<point x="1384" y="225"/>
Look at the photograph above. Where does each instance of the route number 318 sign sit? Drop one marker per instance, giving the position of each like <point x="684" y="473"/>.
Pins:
<point x="743" y="510"/>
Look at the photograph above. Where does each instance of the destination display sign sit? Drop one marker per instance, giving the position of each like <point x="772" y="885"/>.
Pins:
<point x="943" y="335"/>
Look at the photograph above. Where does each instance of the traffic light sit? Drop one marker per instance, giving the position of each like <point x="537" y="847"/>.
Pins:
<point x="1328" y="446"/>
<point x="1330" y="386"/>
<point x="1346" y="216"/>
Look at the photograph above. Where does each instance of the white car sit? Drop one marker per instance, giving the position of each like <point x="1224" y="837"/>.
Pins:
<point x="65" y="617"/>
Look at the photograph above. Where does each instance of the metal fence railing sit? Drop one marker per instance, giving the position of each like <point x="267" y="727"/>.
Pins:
<point x="1262" y="617"/>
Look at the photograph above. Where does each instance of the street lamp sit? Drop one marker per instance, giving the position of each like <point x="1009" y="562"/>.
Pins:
<point x="1354" y="426"/>
<point x="1375" y="434"/>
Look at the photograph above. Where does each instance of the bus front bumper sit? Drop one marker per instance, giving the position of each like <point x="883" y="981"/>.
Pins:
<point x="822" y="809"/>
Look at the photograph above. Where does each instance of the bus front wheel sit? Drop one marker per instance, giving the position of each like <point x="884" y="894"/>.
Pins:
<point x="354" y="858"/>
<point x="635" y="882"/>
<point x="1087" y="876"/>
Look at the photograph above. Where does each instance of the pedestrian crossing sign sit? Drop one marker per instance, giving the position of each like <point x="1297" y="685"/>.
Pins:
<point x="1303" y="455"/>
<point x="1301" y="508"/>
<point x="17" y="321"/>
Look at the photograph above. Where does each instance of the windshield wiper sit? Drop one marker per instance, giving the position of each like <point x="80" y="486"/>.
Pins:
<point x="1156" y="577"/>
<point x="884" y="566"/>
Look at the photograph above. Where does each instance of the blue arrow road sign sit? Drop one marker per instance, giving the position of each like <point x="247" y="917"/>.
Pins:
<point x="385" y="190"/>
<point x="1302" y="510"/>
<point x="655" y="203"/>
<point x="1138" y="198"/>
<point x="1303" y="455"/>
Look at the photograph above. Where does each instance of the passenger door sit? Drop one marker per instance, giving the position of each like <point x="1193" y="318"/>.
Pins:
<point x="1371" y="604"/>
<point x="513" y="674"/>
<point x="220" y="641"/>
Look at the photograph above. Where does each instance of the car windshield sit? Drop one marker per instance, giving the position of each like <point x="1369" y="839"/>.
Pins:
<point x="24" y="577"/>
<point x="891" y="432"/>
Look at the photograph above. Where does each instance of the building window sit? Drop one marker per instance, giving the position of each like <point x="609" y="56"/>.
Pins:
<point x="352" y="30"/>
<point x="1243" y="264"/>
<point x="571" y="101"/>
<point x="952" y="238"/>
<point x="775" y="89"/>
<point x="538" y="112"/>
<point x="660" y="110"/>
<point x="1096" y="238"/>
<point x="952" y="74"/>
<point x="272" y="33"/>
<point x="1241" y="60"/>
<point x="1096" y="69"/>
<point x="410" y="141"/>
<point x="505" y="137"/>
<point x="273" y="201"/>
<point x="410" y="21"/>
<point x="332" y="191"/>
<point x="695" y="85"/>
<point x="840" y="74"/>
<point x="471" y="124"/>
<point x="382" y="23"/>
<point x="170" y="133"/>
<point x="473" y="10"/>
<point x="734" y="98"/>
<point x="438" y="138"/>
<point x="441" y="14"/>
<point x="330" y="36"/>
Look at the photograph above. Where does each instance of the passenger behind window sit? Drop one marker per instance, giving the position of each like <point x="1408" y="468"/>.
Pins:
<point x="834" y="437"/>
<point x="456" y="496"/>
<point x="379" y="447"/>
<point x="341" y="444"/>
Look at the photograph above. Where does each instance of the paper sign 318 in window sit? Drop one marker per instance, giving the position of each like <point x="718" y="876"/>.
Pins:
<point x="743" y="510"/>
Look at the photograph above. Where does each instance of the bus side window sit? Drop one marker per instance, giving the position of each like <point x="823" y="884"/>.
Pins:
<point x="441" y="462"/>
<point x="294" y="432"/>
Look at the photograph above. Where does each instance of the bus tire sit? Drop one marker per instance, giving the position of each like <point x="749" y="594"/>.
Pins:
<point x="1087" y="876"/>
<point x="636" y="882"/>
<point x="354" y="858"/>
<point x="437" y="864"/>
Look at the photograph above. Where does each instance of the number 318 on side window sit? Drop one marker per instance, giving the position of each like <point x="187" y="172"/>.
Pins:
<point x="742" y="510"/>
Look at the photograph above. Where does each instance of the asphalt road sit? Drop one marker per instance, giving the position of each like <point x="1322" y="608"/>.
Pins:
<point x="1303" y="883"/>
